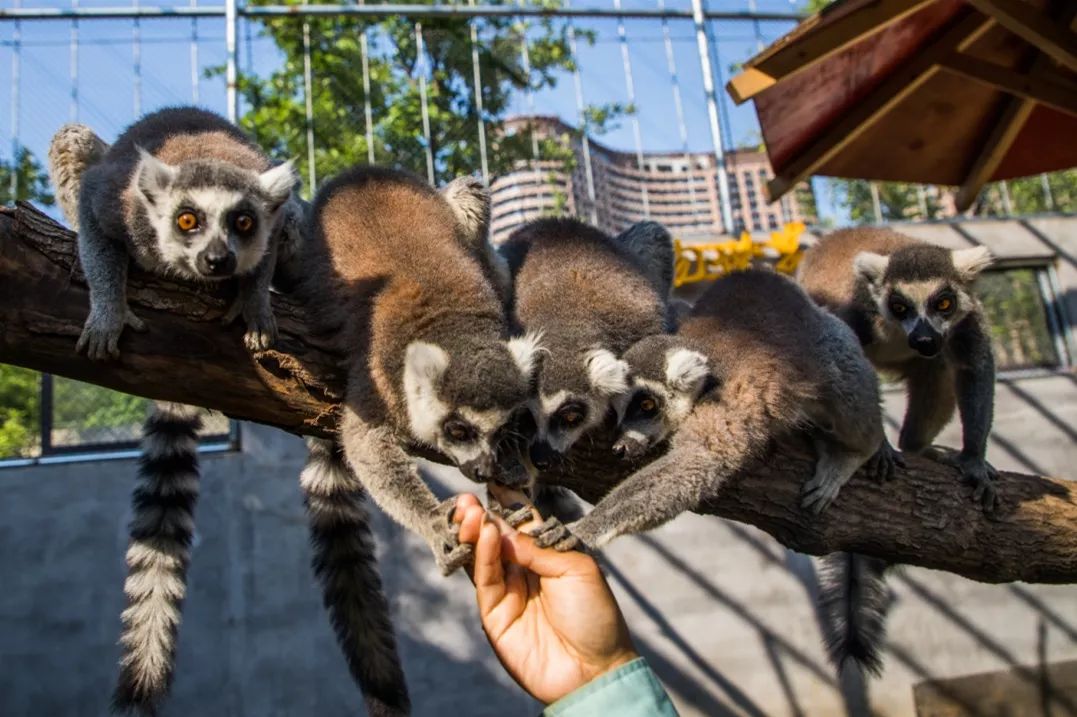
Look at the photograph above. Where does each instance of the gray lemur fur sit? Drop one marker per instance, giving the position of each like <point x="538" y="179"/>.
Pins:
<point x="944" y="357"/>
<point x="856" y="274"/>
<point x="169" y="164"/>
<point x="754" y="360"/>
<point x="115" y="228"/>
<point x="591" y="297"/>
<point x="394" y="278"/>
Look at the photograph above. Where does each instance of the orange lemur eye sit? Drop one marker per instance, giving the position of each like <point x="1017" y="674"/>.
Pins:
<point x="647" y="405"/>
<point x="944" y="304"/>
<point x="571" y="418"/>
<point x="244" y="223"/>
<point x="187" y="221"/>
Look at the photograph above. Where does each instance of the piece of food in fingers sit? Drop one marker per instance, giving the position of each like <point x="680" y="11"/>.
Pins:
<point x="516" y="509"/>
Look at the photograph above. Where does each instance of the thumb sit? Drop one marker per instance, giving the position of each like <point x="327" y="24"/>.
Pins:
<point x="520" y="549"/>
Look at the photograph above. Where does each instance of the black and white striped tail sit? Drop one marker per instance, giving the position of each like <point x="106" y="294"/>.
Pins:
<point x="346" y="566"/>
<point x="157" y="556"/>
<point x="854" y="599"/>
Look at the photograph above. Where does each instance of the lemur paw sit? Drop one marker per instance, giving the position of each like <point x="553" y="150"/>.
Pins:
<point x="260" y="334"/>
<point x="975" y="471"/>
<point x="100" y="338"/>
<point x="449" y="553"/>
<point x="554" y="534"/>
<point x="819" y="493"/>
<point x="886" y="460"/>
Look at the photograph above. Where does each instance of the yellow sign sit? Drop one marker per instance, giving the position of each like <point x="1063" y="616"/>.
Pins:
<point x="703" y="262"/>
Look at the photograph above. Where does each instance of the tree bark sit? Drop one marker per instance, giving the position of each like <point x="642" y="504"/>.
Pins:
<point x="924" y="517"/>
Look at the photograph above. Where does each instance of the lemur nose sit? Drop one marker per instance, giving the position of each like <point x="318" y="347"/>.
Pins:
<point x="218" y="263"/>
<point x="620" y="449"/>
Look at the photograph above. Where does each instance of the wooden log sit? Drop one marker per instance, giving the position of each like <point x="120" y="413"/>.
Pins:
<point x="923" y="517"/>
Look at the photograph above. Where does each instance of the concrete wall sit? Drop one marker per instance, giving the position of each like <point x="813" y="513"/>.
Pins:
<point x="724" y="613"/>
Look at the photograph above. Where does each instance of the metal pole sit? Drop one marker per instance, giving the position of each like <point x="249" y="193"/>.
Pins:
<point x="308" y="108"/>
<point x="478" y="100"/>
<point x="1007" y="205"/>
<point x="525" y="60"/>
<point x="73" y="68"/>
<point x="584" y="129"/>
<point x="678" y="107"/>
<point x="368" y="111"/>
<point x="16" y="57"/>
<point x="420" y="66"/>
<point x="1048" y="196"/>
<point x="704" y="45"/>
<point x="232" y="58"/>
<point x="194" y="57"/>
<point x="921" y="197"/>
<point x="630" y="86"/>
<point x="876" y="206"/>
<point x="378" y="10"/>
<point x="136" y="63"/>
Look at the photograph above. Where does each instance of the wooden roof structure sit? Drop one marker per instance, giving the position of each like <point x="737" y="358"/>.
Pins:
<point x="957" y="92"/>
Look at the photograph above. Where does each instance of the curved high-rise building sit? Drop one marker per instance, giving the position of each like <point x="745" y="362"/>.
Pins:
<point x="678" y="189"/>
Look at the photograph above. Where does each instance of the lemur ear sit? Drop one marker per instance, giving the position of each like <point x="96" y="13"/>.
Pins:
<point x="525" y="351"/>
<point x="470" y="202"/>
<point x="424" y="365"/>
<point x="870" y="266"/>
<point x="152" y="176"/>
<point x="970" y="262"/>
<point x="607" y="373"/>
<point x="278" y="183"/>
<point x="687" y="371"/>
<point x="645" y="233"/>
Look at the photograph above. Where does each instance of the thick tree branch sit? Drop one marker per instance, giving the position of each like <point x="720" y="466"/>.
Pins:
<point x="924" y="517"/>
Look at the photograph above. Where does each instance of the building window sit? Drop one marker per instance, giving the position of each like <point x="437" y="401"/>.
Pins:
<point x="47" y="418"/>
<point x="1023" y="318"/>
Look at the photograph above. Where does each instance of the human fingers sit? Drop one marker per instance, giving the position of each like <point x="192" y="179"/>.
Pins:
<point x="470" y="523"/>
<point x="463" y="502"/>
<point x="489" y="574"/>
<point x="520" y="549"/>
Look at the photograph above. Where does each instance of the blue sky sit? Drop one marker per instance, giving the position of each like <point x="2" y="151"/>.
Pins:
<point x="107" y="88"/>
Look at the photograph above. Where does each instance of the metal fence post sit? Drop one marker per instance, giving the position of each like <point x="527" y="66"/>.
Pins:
<point x="703" y="43"/>
<point x="231" y="21"/>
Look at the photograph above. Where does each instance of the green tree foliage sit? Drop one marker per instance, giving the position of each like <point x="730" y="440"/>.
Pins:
<point x="20" y="411"/>
<point x="277" y="103"/>
<point x="897" y="201"/>
<point x="31" y="181"/>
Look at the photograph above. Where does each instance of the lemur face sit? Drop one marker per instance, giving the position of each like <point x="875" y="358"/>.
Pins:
<point x="563" y="416"/>
<point x="475" y="437"/>
<point x="924" y="290"/>
<point x="653" y="409"/>
<point x="211" y="220"/>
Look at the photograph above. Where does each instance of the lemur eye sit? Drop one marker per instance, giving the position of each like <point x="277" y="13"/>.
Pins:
<point x="459" y="431"/>
<point x="944" y="304"/>
<point x="570" y="417"/>
<point x="898" y="309"/>
<point x="244" y="223"/>
<point x="648" y="405"/>
<point x="187" y="221"/>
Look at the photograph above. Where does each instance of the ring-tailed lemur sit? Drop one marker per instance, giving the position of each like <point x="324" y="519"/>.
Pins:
<point x="912" y="307"/>
<point x="592" y="297"/>
<point x="754" y="360"/>
<point x="393" y="276"/>
<point x="181" y="193"/>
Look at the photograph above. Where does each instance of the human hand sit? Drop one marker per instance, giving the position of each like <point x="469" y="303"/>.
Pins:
<point x="550" y="616"/>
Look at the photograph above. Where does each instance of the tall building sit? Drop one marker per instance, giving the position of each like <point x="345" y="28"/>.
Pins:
<point x="678" y="189"/>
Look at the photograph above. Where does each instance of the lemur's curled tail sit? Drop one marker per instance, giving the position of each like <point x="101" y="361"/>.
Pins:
<point x="158" y="555"/>
<point x="346" y="566"/>
<point x="854" y="600"/>
<point x="73" y="148"/>
<point x="652" y="244"/>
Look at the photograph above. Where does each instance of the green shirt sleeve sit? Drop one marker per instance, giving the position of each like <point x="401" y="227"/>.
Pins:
<point x="631" y="690"/>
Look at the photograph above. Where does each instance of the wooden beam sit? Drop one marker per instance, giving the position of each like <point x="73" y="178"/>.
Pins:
<point x="1047" y="88"/>
<point x="923" y="517"/>
<point x="1012" y="118"/>
<point x="814" y="40"/>
<point x="902" y="82"/>
<point x="1056" y="39"/>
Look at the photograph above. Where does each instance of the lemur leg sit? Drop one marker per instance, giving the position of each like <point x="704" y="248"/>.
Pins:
<point x="654" y="495"/>
<point x="974" y="382"/>
<point x="833" y="469"/>
<point x="346" y="566"/>
<point x="104" y="262"/>
<point x="393" y="481"/>
<point x="931" y="402"/>
<point x="253" y="303"/>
